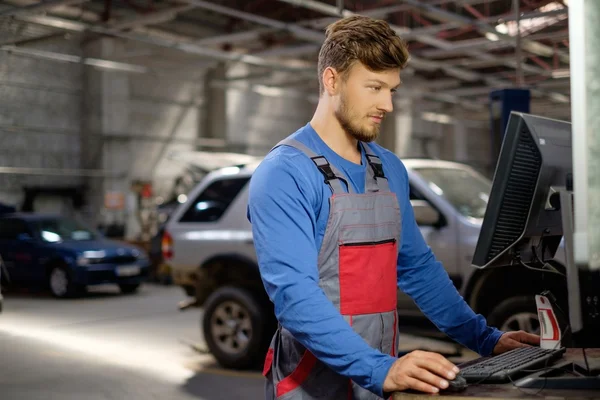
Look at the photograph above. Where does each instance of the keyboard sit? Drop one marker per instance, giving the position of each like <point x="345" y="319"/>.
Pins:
<point x="505" y="366"/>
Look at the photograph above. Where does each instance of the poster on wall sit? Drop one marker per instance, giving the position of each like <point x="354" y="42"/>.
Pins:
<point x="114" y="200"/>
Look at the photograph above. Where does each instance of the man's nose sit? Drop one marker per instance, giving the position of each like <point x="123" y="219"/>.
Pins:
<point x="387" y="104"/>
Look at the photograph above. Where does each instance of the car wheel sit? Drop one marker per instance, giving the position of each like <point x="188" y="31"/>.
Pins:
<point x="516" y="313"/>
<point x="60" y="282"/>
<point x="234" y="326"/>
<point x="127" y="288"/>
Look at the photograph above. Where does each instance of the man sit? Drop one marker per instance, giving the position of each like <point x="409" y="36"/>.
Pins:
<point x="335" y="233"/>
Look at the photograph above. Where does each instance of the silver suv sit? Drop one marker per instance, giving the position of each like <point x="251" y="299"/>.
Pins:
<point x="208" y="245"/>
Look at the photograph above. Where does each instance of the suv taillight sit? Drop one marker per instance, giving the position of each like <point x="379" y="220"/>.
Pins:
<point x="167" y="246"/>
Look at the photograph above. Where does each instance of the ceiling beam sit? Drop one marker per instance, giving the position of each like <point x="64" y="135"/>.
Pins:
<point x="484" y="28"/>
<point x="69" y="58"/>
<point x="187" y="47"/>
<point x="484" y="43"/>
<point x="244" y="36"/>
<point x="457" y="72"/>
<point x="38" y="7"/>
<point x="152" y="18"/>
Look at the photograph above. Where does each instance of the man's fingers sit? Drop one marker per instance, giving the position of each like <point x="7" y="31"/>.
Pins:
<point x="424" y="375"/>
<point x="437" y="364"/>
<point x="416" y="384"/>
<point x="530" y="338"/>
<point x="512" y="343"/>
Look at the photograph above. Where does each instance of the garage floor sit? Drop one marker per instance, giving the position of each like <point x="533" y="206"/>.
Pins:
<point x="110" y="346"/>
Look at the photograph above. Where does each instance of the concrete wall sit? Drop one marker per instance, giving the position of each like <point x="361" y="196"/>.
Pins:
<point x="65" y="115"/>
<point x="134" y="123"/>
<point x="258" y="119"/>
<point x="40" y="117"/>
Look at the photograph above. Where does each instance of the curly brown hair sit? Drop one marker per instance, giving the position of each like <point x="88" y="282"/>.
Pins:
<point x="360" y="38"/>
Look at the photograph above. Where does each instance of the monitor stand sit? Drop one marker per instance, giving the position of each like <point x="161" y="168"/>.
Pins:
<point x="563" y="375"/>
<point x="568" y="374"/>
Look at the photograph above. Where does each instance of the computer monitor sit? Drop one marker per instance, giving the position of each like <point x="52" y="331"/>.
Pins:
<point x="528" y="215"/>
<point x="523" y="222"/>
<point x="529" y="212"/>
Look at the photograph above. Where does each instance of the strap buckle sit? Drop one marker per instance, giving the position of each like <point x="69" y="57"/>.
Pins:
<point x="325" y="169"/>
<point x="376" y="165"/>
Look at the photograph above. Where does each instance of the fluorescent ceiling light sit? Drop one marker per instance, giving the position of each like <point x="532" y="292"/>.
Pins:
<point x="533" y="24"/>
<point x="269" y="91"/>
<point x="436" y="117"/>
<point x="561" y="73"/>
<point x="491" y="36"/>
<point x="559" y="97"/>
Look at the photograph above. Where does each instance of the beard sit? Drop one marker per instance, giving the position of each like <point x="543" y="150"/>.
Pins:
<point x="351" y="123"/>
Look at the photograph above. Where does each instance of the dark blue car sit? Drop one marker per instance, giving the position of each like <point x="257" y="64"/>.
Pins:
<point x="66" y="256"/>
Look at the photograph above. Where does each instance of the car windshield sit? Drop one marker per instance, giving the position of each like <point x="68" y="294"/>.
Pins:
<point x="467" y="190"/>
<point x="62" y="229"/>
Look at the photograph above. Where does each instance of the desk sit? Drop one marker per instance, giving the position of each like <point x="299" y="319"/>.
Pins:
<point x="508" y="391"/>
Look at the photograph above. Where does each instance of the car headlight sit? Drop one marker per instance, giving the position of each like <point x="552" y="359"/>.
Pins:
<point x="90" y="257"/>
<point x="82" y="261"/>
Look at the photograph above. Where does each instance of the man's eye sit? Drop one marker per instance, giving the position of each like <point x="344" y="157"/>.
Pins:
<point x="375" y="88"/>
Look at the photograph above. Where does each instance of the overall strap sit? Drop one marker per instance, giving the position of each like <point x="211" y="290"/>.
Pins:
<point x="375" y="181"/>
<point x="333" y="177"/>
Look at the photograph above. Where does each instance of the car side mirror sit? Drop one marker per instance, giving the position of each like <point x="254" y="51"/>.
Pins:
<point x="425" y="214"/>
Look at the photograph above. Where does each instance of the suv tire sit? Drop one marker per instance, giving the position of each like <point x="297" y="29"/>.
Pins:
<point x="235" y="328"/>
<point x="516" y="313"/>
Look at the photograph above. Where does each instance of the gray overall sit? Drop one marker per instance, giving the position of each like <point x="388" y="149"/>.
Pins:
<point x="357" y="271"/>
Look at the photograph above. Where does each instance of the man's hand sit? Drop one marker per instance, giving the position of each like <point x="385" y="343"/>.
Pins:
<point x="513" y="340"/>
<point x="420" y="370"/>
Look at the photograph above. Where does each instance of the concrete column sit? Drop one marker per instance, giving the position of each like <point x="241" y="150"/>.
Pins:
<point x="396" y="130"/>
<point x="460" y="137"/>
<point x="107" y="114"/>
<point x="585" y="108"/>
<point x="404" y="127"/>
<point x="214" y="118"/>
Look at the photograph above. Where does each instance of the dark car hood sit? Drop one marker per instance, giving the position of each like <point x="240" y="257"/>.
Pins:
<point x="111" y="247"/>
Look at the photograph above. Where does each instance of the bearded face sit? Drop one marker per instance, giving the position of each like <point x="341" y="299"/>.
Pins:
<point x="364" y="98"/>
<point x="362" y="126"/>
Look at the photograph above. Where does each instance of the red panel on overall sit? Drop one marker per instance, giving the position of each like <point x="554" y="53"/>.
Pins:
<point x="300" y="374"/>
<point x="368" y="278"/>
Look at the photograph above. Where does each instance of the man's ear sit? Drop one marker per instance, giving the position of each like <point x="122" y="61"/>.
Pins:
<point x="331" y="81"/>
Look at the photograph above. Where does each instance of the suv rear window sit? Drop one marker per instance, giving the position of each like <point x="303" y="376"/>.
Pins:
<point x="212" y="203"/>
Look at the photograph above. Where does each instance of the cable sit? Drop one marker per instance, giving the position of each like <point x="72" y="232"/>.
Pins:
<point x="587" y="366"/>
<point x="553" y="271"/>
<point x="568" y="327"/>
<point x="544" y="264"/>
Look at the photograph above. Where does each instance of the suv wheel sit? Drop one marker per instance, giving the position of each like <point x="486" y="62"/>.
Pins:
<point x="516" y="313"/>
<point x="234" y="328"/>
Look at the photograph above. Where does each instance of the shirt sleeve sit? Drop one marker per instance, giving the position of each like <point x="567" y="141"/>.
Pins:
<point x="425" y="280"/>
<point x="282" y="212"/>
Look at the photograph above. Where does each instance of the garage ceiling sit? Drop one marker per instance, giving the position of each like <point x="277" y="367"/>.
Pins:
<point x="460" y="49"/>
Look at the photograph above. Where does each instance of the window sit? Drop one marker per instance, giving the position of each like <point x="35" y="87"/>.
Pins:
<point x="11" y="229"/>
<point x="212" y="203"/>
<point x="466" y="190"/>
<point x="58" y="230"/>
<point x="415" y="194"/>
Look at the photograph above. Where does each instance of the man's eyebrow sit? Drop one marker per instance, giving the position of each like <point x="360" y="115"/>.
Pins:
<point x="382" y="83"/>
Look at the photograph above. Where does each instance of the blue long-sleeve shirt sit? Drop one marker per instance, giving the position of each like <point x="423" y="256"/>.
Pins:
<point x="288" y="207"/>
